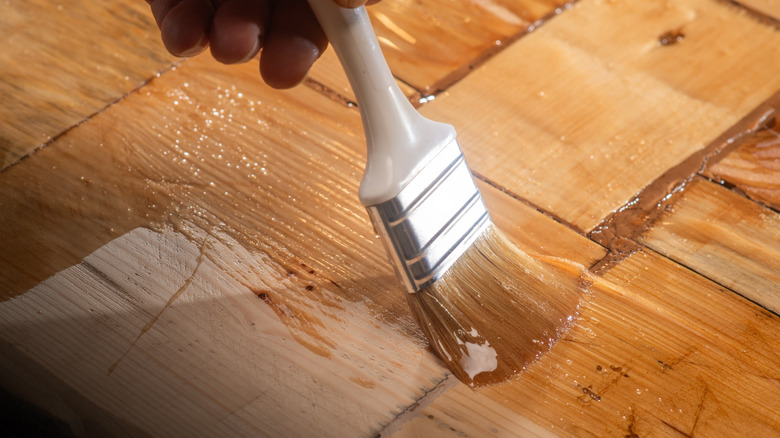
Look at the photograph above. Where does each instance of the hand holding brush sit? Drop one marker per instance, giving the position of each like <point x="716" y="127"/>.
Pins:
<point x="487" y="308"/>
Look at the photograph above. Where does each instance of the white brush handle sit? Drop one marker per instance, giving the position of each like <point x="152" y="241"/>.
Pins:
<point x="399" y="140"/>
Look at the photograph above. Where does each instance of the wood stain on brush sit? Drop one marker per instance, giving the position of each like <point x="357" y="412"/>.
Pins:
<point x="496" y="310"/>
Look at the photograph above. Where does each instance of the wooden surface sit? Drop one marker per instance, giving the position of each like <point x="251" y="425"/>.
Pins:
<point x="186" y="254"/>
<point x="57" y="69"/>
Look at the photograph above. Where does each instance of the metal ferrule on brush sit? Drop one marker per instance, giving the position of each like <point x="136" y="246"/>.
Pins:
<point x="432" y="221"/>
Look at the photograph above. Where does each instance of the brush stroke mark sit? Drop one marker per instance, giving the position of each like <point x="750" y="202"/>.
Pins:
<point x="167" y="305"/>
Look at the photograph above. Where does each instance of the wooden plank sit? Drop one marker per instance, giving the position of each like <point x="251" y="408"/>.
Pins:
<point x="753" y="166"/>
<point x="203" y="240"/>
<point x="725" y="237"/>
<point x="580" y="115"/>
<point x="63" y="62"/>
<point x="431" y="43"/>
<point x="657" y="351"/>
<point x="428" y="42"/>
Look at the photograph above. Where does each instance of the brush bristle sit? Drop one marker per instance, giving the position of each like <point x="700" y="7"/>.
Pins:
<point x="495" y="310"/>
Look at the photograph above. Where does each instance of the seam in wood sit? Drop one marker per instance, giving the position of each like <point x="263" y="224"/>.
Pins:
<point x="412" y="411"/>
<point x="89" y="117"/>
<point x="328" y="92"/>
<point x="719" y="284"/>
<point x="755" y="13"/>
<point x="461" y="72"/>
<point x="525" y="201"/>
<point x="734" y="188"/>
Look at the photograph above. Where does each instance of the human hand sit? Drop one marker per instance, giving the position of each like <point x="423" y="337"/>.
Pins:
<point x="284" y="32"/>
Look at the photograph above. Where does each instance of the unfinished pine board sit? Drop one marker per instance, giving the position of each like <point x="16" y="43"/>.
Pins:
<point x="581" y="114"/>
<point x="725" y="237"/>
<point x="431" y="43"/>
<point x="63" y="61"/>
<point x="657" y="351"/>
<point x="194" y="260"/>
<point x="770" y="8"/>
<point x="754" y="166"/>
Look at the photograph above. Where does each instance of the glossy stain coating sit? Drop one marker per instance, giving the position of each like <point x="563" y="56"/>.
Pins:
<point x="497" y="309"/>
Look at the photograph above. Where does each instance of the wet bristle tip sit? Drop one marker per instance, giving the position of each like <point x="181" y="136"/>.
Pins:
<point x="496" y="310"/>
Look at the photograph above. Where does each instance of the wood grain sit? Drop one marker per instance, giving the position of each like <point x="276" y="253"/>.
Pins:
<point x="753" y="166"/>
<point x="62" y="62"/>
<point x="193" y="259"/>
<point x="657" y="351"/>
<point x="430" y="43"/>
<point x="578" y="116"/>
<point x="724" y="237"/>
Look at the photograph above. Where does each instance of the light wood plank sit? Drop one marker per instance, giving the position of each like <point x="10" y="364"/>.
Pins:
<point x="431" y="43"/>
<point x="584" y="112"/>
<point x="656" y="351"/>
<point x="725" y="237"/>
<point x="753" y="166"/>
<point x="63" y="61"/>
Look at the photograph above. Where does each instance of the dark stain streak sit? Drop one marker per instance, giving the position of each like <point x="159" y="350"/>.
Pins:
<point x="700" y="407"/>
<point x="108" y="281"/>
<point x="589" y="392"/>
<point x="167" y="305"/>
<point x="631" y="425"/>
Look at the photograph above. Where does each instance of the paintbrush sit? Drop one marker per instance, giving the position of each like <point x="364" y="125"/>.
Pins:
<point x="487" y="308"/>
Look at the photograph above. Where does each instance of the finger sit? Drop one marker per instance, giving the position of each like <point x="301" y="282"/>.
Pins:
<point x="294" y="41"/>
<point x="184" y="26"/>
<point x="350" y="3"/>
<point x="237" y="30"/>
<point x="160" y="9"/>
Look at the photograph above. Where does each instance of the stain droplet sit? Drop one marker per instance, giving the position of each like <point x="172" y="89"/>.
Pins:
<point x="671" y="38"/>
